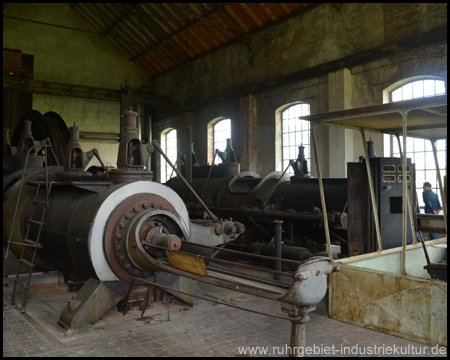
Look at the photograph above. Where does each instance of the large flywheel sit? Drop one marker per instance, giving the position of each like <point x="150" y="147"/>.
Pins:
<point x="50" y="125"/>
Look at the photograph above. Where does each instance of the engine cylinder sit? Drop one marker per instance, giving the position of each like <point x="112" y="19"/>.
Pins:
<point x="88" y="233"/>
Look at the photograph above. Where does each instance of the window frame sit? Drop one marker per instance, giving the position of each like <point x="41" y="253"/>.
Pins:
<point x="212" y="138"/>
<point x="165" y="167"/>
<point x="391" y="147"/>
<point x="293" y="148"/>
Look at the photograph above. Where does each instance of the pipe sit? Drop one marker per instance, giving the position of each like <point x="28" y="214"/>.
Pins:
<point x="372" y="191"/>
<point x="441" y="188"/>
<point x="278" y="235"/>
<point x="405" y="191"/>
<point x="322" y="193"/>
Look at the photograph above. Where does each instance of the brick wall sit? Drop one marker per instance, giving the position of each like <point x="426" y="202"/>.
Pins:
<point x="220" y="84"/>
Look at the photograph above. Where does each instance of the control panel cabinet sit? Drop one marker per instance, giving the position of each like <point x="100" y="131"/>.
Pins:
<point x="387" y="175"/>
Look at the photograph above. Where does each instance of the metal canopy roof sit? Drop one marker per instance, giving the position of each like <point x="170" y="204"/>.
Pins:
<point x="426" y="118"/>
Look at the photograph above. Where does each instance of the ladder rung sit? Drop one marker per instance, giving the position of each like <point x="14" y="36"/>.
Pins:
<point x="29" y="243"/>
<point x="26" y="262"/>
<point x="34" y="222"/>
<point x="32" y="243"/>
<point x="40" y="202"/>
<point x="21" y="284"/>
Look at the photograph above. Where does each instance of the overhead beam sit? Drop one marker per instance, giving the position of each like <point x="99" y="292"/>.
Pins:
<point x="47" y="24"/>
<point x="81" y="91"/>
<point x="203" y="18"/>
<point x="118" y="21"/>
<point x="251" y="14"/>
<point x="268" y="11"/>
<point x="187" y="26"/>
<point x="234" y="21"/>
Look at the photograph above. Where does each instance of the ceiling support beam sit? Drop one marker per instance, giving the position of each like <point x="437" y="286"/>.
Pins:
<point x="234" y="21"/>
<point x="187" y="26"/>
<point x="203" y="18"/>
<point x="166" y="40"/>
<point x="118" y="21"/>
<point x="82" y="91"/>
<point x="47" y="24"/>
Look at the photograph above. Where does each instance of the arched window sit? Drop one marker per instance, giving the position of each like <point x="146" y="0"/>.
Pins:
<point x="418" y="89"/>
<point x="221" y="131"/>
<point x="169" y="146"/>
<point x="419" y="150"/>
<point x="294" y="132"/>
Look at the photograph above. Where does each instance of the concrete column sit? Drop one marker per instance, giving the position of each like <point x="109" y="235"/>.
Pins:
<point x="246" y="145"/>
<point x="340" y="149"/>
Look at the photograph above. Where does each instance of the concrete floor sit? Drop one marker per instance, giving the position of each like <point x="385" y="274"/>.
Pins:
<point x="206" y="329"/>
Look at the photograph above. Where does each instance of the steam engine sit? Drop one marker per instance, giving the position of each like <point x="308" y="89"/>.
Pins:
<point x="110" y="225"/>
<point x="257" y="202"/>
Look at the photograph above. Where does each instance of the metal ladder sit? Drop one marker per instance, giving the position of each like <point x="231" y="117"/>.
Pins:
<point x="28" y="243"/>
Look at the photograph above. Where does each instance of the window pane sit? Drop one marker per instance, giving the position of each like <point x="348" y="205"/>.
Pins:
<point x="420" y="178"/>
<point x="305" y="138"/>
<point x="387" y="145"/>
<point x="419" y="158"/>
<point x="171" y="152"/>
<point x="295" y="133"/>
<point x="428" y="88"/>
<point x="418" y="89"/>
<point x="396" y="149"/>
<point x="397" y="95"/>
<point x="441" y="159"/>
<point x="407" y="92"/>
<point x="419" y="145"/>
<point x="440" y="145"/>
<point x="440" y="87"/>
<point x="292" y="139"/>
<point x="308" y="153"/>
<point x="298" y="138"/>
<point x="222" y="132"/>
<point x="430" y="175"/>
<point x="409" y="144"/>
<point x="429" y="161"/>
